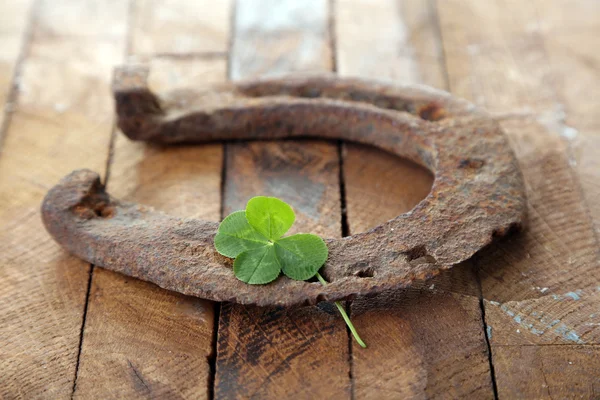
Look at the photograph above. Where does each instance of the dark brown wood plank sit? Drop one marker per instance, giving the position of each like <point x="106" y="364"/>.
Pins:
<point x="427" y="341"/>
<point x="274" y="352"/>
<point x="145" y="341"/>
<point x="541" y="286"/>
<point x="547" y="372"/>
<point x="62" y="121"/>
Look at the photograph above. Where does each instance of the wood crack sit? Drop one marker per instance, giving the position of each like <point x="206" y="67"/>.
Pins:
<point x="83" y="321"/>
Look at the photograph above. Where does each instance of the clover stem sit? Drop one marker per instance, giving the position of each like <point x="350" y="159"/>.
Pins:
<point x="342" y="311"/>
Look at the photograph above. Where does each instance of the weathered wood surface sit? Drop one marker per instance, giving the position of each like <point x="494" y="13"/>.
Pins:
<point x="427" y="340"/>
<point x="141" y="359"/>
<point x="180" y="28"/>
<point x="42" y="289"/>
<point x="15" y="21"/>
<point x="67" y="328"/>
<point x="541" y="287"/>
<point x="274" y="352"/>
<point x="140" y="318"/>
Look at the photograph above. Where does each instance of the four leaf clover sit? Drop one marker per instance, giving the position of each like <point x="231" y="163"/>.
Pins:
<point x="254" y="237"/>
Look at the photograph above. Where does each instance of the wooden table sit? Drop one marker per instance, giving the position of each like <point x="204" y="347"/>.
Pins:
<point x="520" y="320"/>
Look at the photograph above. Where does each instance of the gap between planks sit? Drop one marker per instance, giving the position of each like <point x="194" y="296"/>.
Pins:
<point x="345" y="228"/>
<point x="446" y="75"/>
<point x="217" y="313"/>
<point x="107" y="168"/>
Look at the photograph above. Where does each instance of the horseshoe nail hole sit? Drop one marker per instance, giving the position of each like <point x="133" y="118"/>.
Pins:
<point x="360" y="96"/>
<point x="473" y="163"/>
<point x="382" y="102"/>
<point x="310" y="93"/>
<point x="424" y="260"/>
<point x="90" y="209"/>
<point x="431" y="112"/>
<point x="104" y="211"/>
<point x="360" y="270"/>
<point x="365" y="273"/>
<point x="419" y="255"/>
<point x="83" y="212"/>
<point x="416" y="252"/>
<point x="507" y="230"/>
<point x="327" y="307"/>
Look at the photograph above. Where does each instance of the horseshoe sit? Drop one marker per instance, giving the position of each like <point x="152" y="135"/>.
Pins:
<point x="477" y="194"/>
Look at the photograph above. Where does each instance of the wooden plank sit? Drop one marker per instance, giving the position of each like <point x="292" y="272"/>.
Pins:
<point x="570" y="31"/>
<point x="399" y="41"/>
<point x="548" y="372"/>
<point x="145" y="341"/>
<point x="422" y="344"/>
<point x="385" y="40"/>
<point x="180" y="27"/>
<point x="14" y="20"/>
<point x="62" y="121"/>
<point x="433" y="331"/>
<point x="541" y="286"/>
<point x="274" y="352"/>
<point x="279" y="37"/>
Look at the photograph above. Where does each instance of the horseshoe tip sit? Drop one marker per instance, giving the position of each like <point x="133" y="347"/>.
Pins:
<point x="130" y="77"/>
<point x="77" y="188"/>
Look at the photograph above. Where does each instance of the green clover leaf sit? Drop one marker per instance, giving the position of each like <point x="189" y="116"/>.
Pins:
<point x="235" y="236"/>
<point x="301" y="255"/>
<point x="270" y="216"/>
<point x="257" y="266"/>
<point x="254" y="237"/>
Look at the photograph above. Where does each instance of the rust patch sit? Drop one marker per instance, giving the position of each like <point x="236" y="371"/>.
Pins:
<point x="462" y="214"/>
<point x="471" y="164"/>
<point x="432" y="112"/>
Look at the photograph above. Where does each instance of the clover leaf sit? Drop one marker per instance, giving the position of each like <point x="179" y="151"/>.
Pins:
<point x="301" y="255"/>
<point x="236" y="236"/>
<point x="254" y="237"/>
<point x="257" y="266"/>
<point x="270" y="216"/>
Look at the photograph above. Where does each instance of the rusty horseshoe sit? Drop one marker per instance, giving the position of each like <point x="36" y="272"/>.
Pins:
<point x="477" y="194"/>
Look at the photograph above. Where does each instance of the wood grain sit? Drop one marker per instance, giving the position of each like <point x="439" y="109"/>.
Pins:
<point x="385" y="40"/>
<point x="146" y="341"/>
<point x="274" y="352"/>
<point x="434" y="331"/>
<point x="62" y="121"/>
<point x="389" y="40"/>
<point x="547" y="372"/>
<point x="14" y="20"/>
<point x="540" y="286"/>
<point x="422" y="344"/>
<point x="182" y="28"/>
<point x="570" y="34"/>
<point x="532" y="64"/>
<point x="280" y="37"/>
